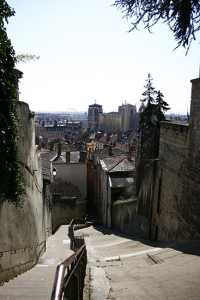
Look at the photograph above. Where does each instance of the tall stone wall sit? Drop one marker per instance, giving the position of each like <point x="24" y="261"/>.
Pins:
<point x="167" y="187"/>
<point x="175" y="196"/>
<point x="23" y="231"/>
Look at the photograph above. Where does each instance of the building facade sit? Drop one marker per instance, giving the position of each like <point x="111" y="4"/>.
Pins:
<point x="94" y="115"/>
<point x="126" y="118"/>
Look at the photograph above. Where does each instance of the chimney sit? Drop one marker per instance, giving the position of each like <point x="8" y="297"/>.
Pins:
<point x="108" y="135"/>
<point x="51" y="146"/>
<point x="83" y="156"/>
<point x="119" y="136"/>
<point x="110" y="151"/>
<point x="67" y="156"/>
<point x="99" y="135"/>
<point x="59" y="149"/>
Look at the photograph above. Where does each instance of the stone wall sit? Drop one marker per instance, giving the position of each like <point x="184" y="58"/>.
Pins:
<point x="175" y="197"/>
<point x="166" y="194"/>
<point x="125" y="218"/>
<point x="65" y="209"/>
<point x="23" y="231"/>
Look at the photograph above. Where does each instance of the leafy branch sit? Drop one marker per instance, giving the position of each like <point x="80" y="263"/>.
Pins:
<point x="12" y="183"/>
<point x="26" y="57"/>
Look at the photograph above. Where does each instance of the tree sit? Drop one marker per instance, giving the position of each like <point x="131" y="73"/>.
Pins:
<point x="149" y="129"/>
<point x="182" y="16"/>
<point x="24" y="57"/>
<point x="64" y="188"/>
<point x="161" y="106"/>
<point x="147" y="125"/>
<point x="12" y="183"/>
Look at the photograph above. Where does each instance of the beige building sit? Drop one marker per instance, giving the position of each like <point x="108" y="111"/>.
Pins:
<point x="72" y="167"/>
<point x="125" y="118"/>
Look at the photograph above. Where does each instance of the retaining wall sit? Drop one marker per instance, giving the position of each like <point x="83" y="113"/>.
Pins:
<point x="23" y="231"/>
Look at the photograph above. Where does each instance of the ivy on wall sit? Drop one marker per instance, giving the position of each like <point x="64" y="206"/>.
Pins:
<point x="12" y="182"/>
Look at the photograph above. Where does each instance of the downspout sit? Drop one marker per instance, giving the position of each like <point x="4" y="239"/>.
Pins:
<point x="107" y="202"/>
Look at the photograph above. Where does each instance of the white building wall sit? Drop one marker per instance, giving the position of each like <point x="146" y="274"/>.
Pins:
<point x="76" y="173"/>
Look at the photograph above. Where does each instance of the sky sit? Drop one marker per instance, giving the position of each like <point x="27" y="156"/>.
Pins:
<point x="87" y="54"/>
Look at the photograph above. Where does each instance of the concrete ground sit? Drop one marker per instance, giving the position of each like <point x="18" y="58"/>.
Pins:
<point x="37" y="283"/>
<point x="121" y="267"/>
<point x="118" y="267"/>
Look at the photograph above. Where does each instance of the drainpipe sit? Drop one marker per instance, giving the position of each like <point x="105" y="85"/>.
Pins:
<point x="107" y="202"/>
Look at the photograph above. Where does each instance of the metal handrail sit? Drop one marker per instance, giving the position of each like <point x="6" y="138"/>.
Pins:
<point x="70" y="274"/>
<point x="61" y="280"/>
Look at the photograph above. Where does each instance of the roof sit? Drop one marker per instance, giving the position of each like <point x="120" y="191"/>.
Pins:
<point x="74" y="157"/>
<point x="46" y="169"/>
<point x="92" y="136"/>
<point x="113" y="113"/>
<point x="115" y="151"/>
<point x="47" y="154"/>
<point x="95" y="105"/>
<point x="102" y="139"/>
<point x="105" y="152"/>
<point x="120" y="180"/>
<point x="116" y="163"/>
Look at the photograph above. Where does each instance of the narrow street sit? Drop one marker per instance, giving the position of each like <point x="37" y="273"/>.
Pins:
<point x="123" y="268"/>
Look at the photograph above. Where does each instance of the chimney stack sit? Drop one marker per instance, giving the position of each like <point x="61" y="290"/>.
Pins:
<point x="59" y="149"/>
<point x="110" y="151"/>
<point x="51" y="145"/>
<point x="67" y="156"/>
<point x="119" y="136"/>
<point x="82" y="156"/>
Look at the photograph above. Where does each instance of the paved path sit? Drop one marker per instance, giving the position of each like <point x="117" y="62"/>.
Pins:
<point x="119" y="267"/>
<point x="123" y="268"/>
<point x="37" y="283"/>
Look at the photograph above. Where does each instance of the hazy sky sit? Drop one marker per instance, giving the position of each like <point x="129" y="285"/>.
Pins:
<point x="87" y="55"/>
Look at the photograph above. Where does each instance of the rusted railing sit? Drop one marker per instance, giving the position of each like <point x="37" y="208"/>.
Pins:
<point x="70" y="274"/>
<point x="76" y="241"/>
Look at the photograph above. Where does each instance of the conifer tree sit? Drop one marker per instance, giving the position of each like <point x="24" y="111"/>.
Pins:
<point x="182" y="17"/>
<point x="147" y="125"/>
<point x="149" y="128"/>
<point x="161" y="106"/>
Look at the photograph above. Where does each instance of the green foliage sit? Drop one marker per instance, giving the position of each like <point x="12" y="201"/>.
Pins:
<point x="64" y="188"/>
<point x="147" y="124"/>
<point x="26" y="57"/>
<point x="12" y="183"/>
<point x="161" y="107"/>
<point x="117" y="202"/>
<point x="149" y="128"/>
<point x="150" y="118"/>
<point x="182" y="17"/>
